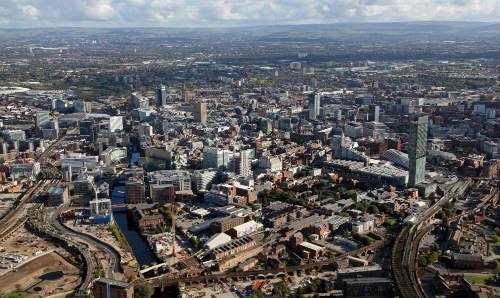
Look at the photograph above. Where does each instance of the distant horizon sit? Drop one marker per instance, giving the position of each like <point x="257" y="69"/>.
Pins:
<point x="257" y="26"/>
<point x="236" y="13"/>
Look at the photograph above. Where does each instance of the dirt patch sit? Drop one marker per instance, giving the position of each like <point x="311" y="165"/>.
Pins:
<point x="29" y="276"/>
<point x="25" y="243"/>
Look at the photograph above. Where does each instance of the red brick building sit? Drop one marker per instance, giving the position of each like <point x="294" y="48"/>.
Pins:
<point x="108" y="288"/>
<point x="134" y="191"/>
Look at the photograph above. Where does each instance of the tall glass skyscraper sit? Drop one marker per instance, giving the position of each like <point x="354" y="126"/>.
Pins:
<point x="374" y="113"/>
<point x="161" y="96"/>
<point x="417" y="150"/>
<point x="314" y="105"/>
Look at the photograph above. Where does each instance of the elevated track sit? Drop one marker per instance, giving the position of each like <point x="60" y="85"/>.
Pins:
<point x="174" y="279"/>
<point x="405" y="249"/>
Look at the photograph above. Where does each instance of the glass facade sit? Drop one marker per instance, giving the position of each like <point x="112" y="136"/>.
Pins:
<point x="417" y="150"/>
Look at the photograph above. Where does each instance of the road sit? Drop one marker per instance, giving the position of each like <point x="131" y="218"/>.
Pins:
<point x="114" y="256"/>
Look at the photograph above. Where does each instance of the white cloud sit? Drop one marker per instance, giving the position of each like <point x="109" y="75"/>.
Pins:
<point x="101" y="10"/>
<point x="203" y="13"/>
<point x="29" y="11"/>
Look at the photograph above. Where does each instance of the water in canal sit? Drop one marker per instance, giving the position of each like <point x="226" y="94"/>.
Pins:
<point x="139" y="245"/>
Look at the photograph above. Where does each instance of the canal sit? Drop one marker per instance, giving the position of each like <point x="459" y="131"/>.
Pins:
<point x="139" y="245"/>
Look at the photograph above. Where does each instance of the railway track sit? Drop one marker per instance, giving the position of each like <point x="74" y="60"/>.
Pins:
<point x="166" y="280"/>
<point x="405" y="249"/>
<point x="89" y="263"/>
<point x="402" y="279"/>
<point x="12" y="216"/>
<point x="114" y="256"/>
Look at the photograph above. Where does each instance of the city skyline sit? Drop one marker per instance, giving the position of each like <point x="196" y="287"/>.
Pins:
<point x="223" y="13"/>
<point x="267" y="157"/>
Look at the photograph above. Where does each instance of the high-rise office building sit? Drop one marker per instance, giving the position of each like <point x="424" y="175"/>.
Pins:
<point x="266" y="125"/>
<point x="343" y="150"/>
<point x="86" y="127"/>
<point x="374" y="113"/>
<point x="4" y="148"/>
<point x="139" y="101"/>
<point x="115" y="123"/>
<point x="14" y="135"/>
<point x="200" y="112"/>
<point x="80" y="106"/>
<point x="161" y="96"/>
<point x="417" y="149"/>
<point x="212" y="158"/>
<point x="54" y="124"/>
<point x="145" y="130"/>
<point x="42" y="119"/>
<point x="215" y="158"/>
<point x="203" y="179"/>
<point x="244" y="163"/>
<point x="314" y="105"/>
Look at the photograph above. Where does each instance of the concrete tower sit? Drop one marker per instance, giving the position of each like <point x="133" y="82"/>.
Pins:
<point x="200" y="112"/>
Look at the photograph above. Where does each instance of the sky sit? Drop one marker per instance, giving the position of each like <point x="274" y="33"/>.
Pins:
<point x="230" y="13"/>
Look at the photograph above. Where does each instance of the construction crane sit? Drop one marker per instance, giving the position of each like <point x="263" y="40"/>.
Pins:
<point x="173" y="213"/>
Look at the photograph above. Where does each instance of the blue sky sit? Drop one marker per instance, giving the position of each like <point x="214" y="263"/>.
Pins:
<point x="224" y="13"/>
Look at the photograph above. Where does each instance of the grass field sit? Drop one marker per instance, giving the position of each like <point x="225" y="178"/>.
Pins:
<point x="481" y="280"/>
<point x="16" y="294"/>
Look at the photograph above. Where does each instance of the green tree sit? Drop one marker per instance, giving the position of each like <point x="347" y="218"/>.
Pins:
<point x="373" y="209"/>
<point x="143" y="289"/>
<point x="432" y="257"/>
<point x="257" y="294"/>
<point x="281" y="289"/>
<point x="496" y="265"/>
<point x="422" y="261"/>
<point x="194" y="242"/>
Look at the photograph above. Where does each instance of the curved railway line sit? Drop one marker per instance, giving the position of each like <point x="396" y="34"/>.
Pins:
<point x="110" y="251"/>
<point x="405" y="249"/>
<point x="89" y="263"/>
